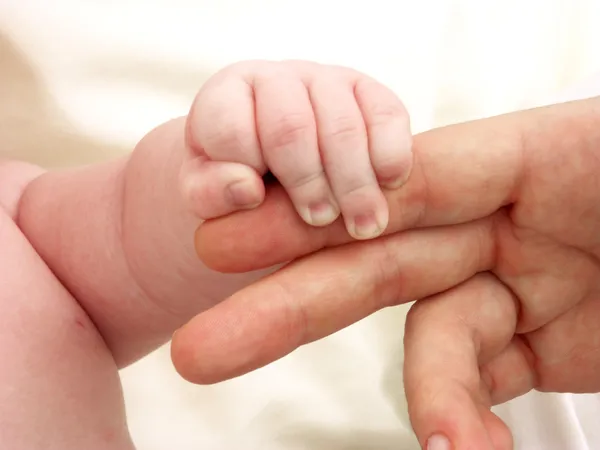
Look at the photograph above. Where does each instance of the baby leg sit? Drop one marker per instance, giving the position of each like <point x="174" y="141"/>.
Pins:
<point x="59" y="386"/>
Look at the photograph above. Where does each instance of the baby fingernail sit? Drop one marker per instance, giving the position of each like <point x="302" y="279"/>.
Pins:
<point x="322" y="213"/>
<point x="244" y="194"/>
<point x="393" y="183"/>
<point x="438" y="442"/>
<point x="365" y="226"/>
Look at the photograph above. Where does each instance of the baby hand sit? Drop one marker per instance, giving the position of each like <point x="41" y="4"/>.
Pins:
<point x="331" y="136"/>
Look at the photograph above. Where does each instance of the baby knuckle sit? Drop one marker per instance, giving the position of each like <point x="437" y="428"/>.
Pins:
<point x="227" y="137"/>
<point x="344" y="128"/>
<point x="297" y="179"/>
<point x="382" y="113"/>
<point x="288" y="130"/>
<point x="384" y="105"/>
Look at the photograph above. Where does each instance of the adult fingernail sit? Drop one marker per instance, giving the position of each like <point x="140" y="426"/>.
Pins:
<point x="365" y="226"/>
<point x="438" y="442"/>
<point x="244" y="194"/>
<point x="321" y="213"/>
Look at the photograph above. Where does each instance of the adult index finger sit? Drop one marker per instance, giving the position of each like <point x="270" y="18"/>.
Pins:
<point x="461" y="173"/>
<point x="325" y="292"/>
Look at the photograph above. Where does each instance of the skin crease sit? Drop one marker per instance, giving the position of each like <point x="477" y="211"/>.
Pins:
<point x="97" y="241"/>
<point x="518" y="196"/>
<point x="330" y="135"/>
<point x="111" y="246"/>
<point x="53" y="358"/>
<point x="143" y="209"/>
<point x="133" y="301"/>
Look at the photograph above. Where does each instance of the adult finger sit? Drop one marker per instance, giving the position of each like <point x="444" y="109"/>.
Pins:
<point x="461" y="173"/>
<point x="448" y="338"/>
<point x="276" y="315"/>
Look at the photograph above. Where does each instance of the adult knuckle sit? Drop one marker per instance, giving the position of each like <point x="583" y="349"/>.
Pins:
<point x="391" y="285"/>
<point x="296" y="319"/>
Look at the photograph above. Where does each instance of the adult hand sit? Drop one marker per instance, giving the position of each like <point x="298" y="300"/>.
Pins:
<point x="516" y="197"/>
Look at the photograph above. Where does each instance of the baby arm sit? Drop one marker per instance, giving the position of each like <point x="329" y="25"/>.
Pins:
<point x="59" y="387"/>
<point x="119" y="236"/>
<point x="99" y="265"/>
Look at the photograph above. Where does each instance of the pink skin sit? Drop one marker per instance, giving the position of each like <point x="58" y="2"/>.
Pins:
<point x="496" y="233"/>
<point x="329" y="135"/>
<point x="99" y="266"/>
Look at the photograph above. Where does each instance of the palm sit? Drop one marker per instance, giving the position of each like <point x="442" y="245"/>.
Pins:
<point x="548" y="253"/>
<point x="557" y="285"/>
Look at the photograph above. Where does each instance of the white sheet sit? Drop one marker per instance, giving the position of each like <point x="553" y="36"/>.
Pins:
<point x="81" y="81"/>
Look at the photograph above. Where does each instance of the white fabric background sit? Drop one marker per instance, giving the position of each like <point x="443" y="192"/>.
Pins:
<point x="82" y="81"/>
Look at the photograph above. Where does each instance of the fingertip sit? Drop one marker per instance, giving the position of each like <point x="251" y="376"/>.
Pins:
<point x="180" y="357"/>
<point x="438" y="442"/>
<point x="368" y="224"/>
<point x="498" y="431"/>
<point x="243" y="333"/>
<point x="213" y="189"/>
<point x="365" y="226"/>
<point x="319" y="214"/>
<point x="185" y="362"/>
<point x="246" y="193"/>
<point x="394" y="177"/>
<point x="448" y="413"/>
<point x="397" y="181"/>
<point x="389" y="131"/>
<point x="221" y="121"/>
<point x="206" y="350"/>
